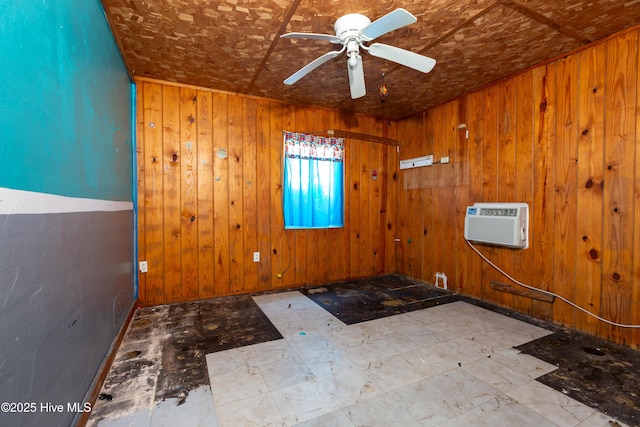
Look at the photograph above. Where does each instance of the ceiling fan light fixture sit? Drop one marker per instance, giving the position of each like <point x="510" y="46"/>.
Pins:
<point x="352" y="32"/>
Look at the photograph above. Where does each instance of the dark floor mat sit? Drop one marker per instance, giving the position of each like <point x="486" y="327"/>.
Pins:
<point x="598" y="373"/>
<point x="373" y="298"/>
<point x="204" y="327"/>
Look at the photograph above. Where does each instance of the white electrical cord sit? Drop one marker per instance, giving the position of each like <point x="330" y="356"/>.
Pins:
<point x="547" y="292"/>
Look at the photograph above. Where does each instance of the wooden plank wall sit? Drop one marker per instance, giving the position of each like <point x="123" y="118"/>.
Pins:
<point x="563" y="137"/>
<point x="210" y="194"/>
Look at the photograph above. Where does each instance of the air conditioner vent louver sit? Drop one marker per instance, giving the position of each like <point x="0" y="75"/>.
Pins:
<point x="501" y="224"/>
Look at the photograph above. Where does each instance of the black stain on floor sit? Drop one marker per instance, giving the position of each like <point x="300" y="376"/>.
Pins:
<point x="593" y="371"/>
<point x="199" y="328"/>
<point x="163" y="354"/>
<point x="377" y="297"/>
<point x="598" y="373"/>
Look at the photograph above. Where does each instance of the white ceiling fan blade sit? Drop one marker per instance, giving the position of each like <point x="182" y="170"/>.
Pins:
<point x="311" y="66"/>
<point x="402" y="57"/>
<point x="391" y="21"/>
<point x="356" y="79"/>
<point x="312" y="36"/>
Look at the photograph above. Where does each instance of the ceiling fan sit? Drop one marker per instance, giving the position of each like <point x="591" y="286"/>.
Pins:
<point x="352" y="32"/>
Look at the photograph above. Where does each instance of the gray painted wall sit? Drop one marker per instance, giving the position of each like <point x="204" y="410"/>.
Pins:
<point x="65" y="291"/>
<point x="66" y="280"/>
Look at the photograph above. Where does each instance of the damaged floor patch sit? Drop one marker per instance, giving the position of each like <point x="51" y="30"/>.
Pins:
<point x="160" y="376"/>
<point x="595" y="372"/>
<point x="161" y="360"/>
<point x="376" y="297"/>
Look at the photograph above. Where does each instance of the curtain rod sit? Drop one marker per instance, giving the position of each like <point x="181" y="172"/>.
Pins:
<point x="355" y="135"/>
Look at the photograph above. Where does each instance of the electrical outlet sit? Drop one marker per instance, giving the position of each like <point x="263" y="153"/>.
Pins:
<point x="144" y="267"/>
<point x="444" y="159"/>
<point x="256" y="257"/>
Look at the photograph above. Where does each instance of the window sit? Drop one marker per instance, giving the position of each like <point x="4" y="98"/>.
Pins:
<point x="313" y="181"/>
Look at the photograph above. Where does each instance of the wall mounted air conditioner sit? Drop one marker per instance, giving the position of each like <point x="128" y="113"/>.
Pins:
<point x="501" y="224"/>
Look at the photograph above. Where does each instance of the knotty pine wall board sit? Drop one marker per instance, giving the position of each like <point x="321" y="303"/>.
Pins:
<point x="563" y="137"/>
<point x="542" y="212"/>
<point x="591" y="116"/>
<point x="620" y="252"/>
<point x="210" y="178"/>
<point x="523" y="178"/>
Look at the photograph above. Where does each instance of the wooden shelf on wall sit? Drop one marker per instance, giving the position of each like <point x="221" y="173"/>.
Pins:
<point x="332" y="133"/>
<point x="505" y="287"/>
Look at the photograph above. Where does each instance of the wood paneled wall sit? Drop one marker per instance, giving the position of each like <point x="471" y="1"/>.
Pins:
<point x="563" y="137"/>
<point x="210" y="194"/>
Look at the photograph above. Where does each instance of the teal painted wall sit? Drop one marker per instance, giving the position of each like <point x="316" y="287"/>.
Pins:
<point x="65" y="110"/>
<point x="66" y="279"/>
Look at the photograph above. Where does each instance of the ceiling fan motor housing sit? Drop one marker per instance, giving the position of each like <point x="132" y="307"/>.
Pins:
<point x="350" y="25"/>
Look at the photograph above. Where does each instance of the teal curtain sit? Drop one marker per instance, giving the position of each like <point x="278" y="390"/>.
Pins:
<point x="313" y="181"/>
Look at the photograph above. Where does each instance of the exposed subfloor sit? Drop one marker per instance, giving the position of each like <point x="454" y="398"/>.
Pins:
<point x="374" y="352"/>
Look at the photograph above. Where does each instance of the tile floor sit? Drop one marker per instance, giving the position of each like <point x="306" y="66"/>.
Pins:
<point x="449" y="365"/>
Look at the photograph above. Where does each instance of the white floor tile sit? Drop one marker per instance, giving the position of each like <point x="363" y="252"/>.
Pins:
<point x="449" y="365"/>
<point x="304" y="401"/>
<point x="496" y="374"/>
<point x="349" y="386"/>
<point x="259" y="410"/>
<point x="196" y="411"/>
<point x="499" y="411"/>
<point x="237" y="385"/>
<point x="285" y="373"/>
<point x="344" y="337"/>
<point x="425" y="363"/>
<point x="447" y="395"/>
<point x="391" y="373"/>
<point x="333" y="419"/>
<point x="514" y="334"/>
<point x="384" y="410"/>
<point x="428" y="401"/>
<point x="271" y="351"/>
<point x="327" y="362"/>
<point x="226" y="361"/>
<point x="139" y="418"/>
<point x="458" y="350"/>
<point x="554" y="405"/>
<point x="524" y="363"/>
<point x="367" y="353"/>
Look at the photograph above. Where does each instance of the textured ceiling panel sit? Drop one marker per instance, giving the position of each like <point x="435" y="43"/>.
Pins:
<point x="216" y="44"/>
<point x="591" y="19"/>
<point x="494" y="47"/>
<point x="235" y="45"/>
